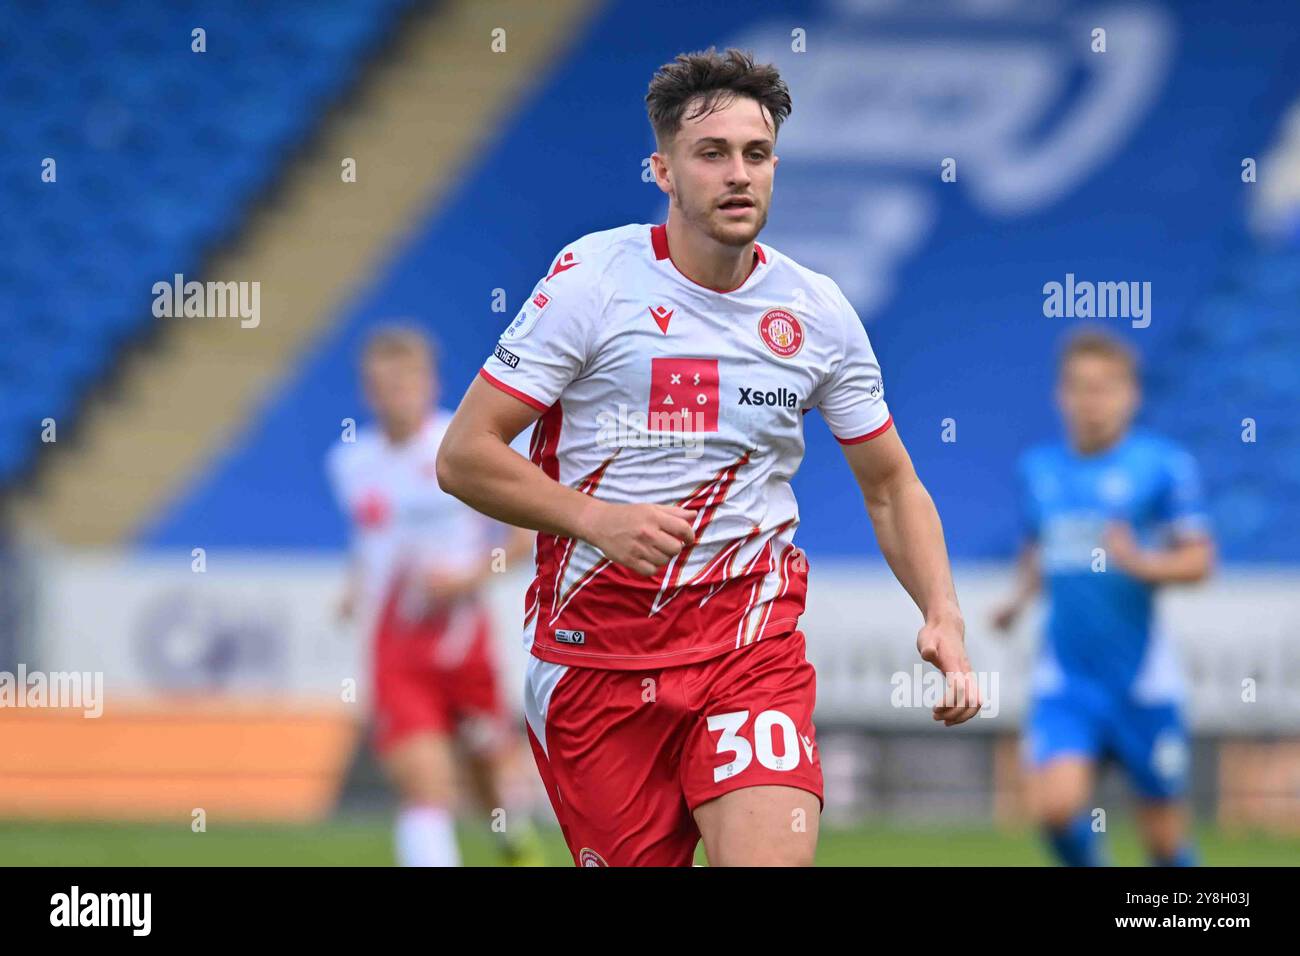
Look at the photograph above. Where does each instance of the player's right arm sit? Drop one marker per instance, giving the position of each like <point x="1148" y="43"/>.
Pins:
<point x="544" y="349"/>
<point x="1028" y="581"/>
<point x="478" y="466"/>
<point x="350" y="598"/>
<point x="1029" y="574"/>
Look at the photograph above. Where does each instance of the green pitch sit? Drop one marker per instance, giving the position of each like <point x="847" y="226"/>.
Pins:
<point x="367" y="842"/>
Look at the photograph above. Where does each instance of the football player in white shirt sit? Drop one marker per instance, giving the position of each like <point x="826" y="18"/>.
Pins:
<point x="420" y="562"/>
<point x="668" y="369"/>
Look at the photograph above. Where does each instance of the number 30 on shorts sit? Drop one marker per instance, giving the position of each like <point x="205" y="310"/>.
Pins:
<point x="744" y="753"/>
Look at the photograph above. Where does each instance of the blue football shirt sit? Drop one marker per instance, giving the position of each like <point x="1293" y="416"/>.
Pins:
<point x="1100" y="624"/>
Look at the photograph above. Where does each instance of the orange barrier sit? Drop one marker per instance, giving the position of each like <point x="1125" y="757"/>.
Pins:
<point x="1260" y="782"/>
<point x="233" y="758"/>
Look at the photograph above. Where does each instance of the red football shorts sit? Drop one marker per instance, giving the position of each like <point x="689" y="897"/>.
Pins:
<point x="627" y="756"/>
<point x="437" y="674"/>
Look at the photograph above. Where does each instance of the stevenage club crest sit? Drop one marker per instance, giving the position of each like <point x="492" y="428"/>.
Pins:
<point x="781" y="332"/>
<point x="589" y="857"/>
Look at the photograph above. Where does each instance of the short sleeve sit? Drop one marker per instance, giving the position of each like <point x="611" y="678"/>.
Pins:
<point x="1183" y="502"/>
<point x="852" y="400"/>
<point x="545" y="347"/>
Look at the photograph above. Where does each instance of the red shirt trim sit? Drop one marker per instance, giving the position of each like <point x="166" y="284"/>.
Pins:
<point x="513" y="392"/>
<point x="869" y="435"/>
<point x="659" y="242"/>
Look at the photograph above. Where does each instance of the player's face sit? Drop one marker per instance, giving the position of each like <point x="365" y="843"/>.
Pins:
<point x="400" y="390"/>
<point x="720" y="169"/>
<point x="1098" y="399"/>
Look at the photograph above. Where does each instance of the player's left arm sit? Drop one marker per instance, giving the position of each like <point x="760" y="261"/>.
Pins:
<point x="911" y="538"/>
<point x="510" y="546"/>
<point x="1186" y="560"/>
<point x="852" y="401"/>
<point x="1188" y="557"/>
<point x="451" y="585"/>
<point x="519" y="545"/>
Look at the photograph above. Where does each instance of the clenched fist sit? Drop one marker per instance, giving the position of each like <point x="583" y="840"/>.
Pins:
<point x="639" y="537"/>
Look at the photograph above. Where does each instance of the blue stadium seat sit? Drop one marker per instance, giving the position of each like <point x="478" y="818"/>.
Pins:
<point x="160" y="152"/>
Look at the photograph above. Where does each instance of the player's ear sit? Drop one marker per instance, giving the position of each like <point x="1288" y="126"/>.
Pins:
<point x="663" y="176"/>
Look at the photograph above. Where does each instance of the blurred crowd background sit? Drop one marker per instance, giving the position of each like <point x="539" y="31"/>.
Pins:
<point x="167" y="520"/>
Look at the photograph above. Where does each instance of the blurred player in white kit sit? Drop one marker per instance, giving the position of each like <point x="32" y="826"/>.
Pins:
<point x="421" y="560"/>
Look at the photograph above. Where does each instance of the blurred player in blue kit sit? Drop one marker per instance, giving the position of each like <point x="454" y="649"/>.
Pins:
<point x="1110" y="514"/>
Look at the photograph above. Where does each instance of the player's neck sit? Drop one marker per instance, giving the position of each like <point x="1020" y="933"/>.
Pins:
<point x="1093" y="445"/>
<point x="706" y="261"/>
<point x="400" y="432"/>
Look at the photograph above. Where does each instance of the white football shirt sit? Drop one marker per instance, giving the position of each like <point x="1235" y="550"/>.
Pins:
<point x="655" y="389"/>
<point x="403" y="523"/>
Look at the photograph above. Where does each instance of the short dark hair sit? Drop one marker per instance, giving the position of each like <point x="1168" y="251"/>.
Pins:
<point x="1102" y="344"/>
<point x="717" y="79"/>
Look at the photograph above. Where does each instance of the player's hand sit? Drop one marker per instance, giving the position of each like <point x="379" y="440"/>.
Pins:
<point x="639" y="537"/>
<point x="1004" y="616"/>
<point x="443" y="586"/>
<point x="347" y="606"/>
<point x="943" y="644"/>
<point x="1121" y="547"/>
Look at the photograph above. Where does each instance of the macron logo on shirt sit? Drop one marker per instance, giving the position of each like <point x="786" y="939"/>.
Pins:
<point x="563" y="264"/>
<point x="662" y="317"/>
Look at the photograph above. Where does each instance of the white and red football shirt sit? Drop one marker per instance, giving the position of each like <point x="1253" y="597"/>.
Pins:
<point x="655" y="389"/>
<point x="404" y="525"/>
